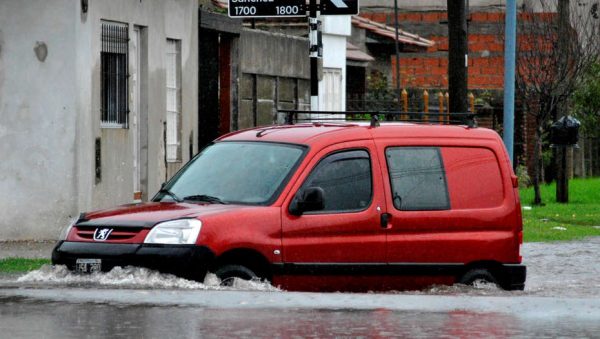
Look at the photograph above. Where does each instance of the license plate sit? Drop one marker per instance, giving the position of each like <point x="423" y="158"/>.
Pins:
<point x="88" y="265"/>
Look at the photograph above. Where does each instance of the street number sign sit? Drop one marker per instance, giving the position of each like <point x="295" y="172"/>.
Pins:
<point x="267" y="8"/>
<point x="339" y="7"/>
<point x="288" y="8"/>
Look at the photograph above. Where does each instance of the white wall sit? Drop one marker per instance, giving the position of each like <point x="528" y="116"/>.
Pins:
<point x="38" y="110"/>
<point x="50" y="109"/>
<point x="336" y="29"/>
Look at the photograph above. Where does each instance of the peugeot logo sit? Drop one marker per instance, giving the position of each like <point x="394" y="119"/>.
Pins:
<point x="101" y="234"/>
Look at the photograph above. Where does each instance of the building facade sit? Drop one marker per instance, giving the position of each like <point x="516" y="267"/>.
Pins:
<point x="98" y="106"/>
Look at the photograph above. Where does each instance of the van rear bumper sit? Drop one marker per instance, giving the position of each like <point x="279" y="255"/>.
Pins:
<point x="513" y="277"/>
<point x="188" y="261"/>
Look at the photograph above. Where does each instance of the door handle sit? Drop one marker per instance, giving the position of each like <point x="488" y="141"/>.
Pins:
<point x="384" y="219"/>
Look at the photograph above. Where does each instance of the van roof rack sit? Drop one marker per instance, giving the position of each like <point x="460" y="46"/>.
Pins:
<point x="375" y="117"/>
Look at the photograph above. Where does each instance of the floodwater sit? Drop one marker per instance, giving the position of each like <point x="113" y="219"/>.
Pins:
<point x="561" y="299"/>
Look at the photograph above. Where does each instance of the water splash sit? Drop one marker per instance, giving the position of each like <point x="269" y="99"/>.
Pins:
<point x="133" y="278"/>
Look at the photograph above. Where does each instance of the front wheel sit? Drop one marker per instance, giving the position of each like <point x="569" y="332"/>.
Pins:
<point x="477" y="276"/>
<point x="227" y="273"/>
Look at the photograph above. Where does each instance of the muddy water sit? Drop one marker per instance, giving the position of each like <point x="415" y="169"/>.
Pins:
<point x="561" y="299"/>
<point x="566" y="269"/>
<point x="563" y="269"/>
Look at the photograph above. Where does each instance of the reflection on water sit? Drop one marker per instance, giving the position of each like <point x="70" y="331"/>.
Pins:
<point x="20" y="318"/>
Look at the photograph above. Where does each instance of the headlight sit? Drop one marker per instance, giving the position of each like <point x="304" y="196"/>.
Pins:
<point x="180" y="232"/>
<point x="65" y="231"/>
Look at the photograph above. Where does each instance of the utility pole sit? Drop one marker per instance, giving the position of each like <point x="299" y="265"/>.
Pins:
<point x="396" y="44"/>
<point x="560" y="158"/>
<point x="313" y="35"/>
<point x="457" y="56"/>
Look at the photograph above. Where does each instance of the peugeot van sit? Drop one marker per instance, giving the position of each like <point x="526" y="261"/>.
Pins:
<point x="323" y="207"/>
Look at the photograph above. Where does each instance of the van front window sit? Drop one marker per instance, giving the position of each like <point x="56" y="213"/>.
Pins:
<point x="235" y="172"/>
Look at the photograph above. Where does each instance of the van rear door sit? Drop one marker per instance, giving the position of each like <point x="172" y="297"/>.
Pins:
<point x="448" y="207"/>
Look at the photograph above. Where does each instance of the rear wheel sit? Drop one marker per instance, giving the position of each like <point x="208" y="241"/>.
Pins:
<point x="227" y="274"/>
<point x="478" y="276"/>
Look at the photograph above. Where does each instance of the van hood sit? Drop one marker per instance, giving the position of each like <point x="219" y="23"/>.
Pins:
<point x="149" y="214"/>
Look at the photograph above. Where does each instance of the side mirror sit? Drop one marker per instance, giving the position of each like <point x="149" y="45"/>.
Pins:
<point x="309" y="199"/>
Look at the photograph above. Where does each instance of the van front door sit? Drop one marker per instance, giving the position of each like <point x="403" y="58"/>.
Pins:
<point x="322" y="247"/>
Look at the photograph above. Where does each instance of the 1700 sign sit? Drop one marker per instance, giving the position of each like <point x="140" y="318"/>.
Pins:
<point x="266" y="8"/>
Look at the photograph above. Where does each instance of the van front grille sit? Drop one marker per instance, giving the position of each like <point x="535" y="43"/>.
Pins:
<point x="87" y="232"/>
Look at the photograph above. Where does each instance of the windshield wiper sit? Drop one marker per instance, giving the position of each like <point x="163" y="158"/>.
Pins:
<point x="205" y="198"/>
<point x="171" y="194"/>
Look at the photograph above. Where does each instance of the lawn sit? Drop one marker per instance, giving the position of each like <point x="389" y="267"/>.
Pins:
<point x="553" y="221"/>
<point x="17" y="265"/>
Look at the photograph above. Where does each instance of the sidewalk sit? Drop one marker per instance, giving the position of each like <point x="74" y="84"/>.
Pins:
<point x="26" y="249"/>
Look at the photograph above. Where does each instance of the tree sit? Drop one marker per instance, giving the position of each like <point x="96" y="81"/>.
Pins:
<point x="586" y="100"/>
<point x="558" y="43"/>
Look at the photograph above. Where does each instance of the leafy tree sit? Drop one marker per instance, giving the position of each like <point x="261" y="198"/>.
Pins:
<point x="587" y="101"/>
<point x="559" y="40"/>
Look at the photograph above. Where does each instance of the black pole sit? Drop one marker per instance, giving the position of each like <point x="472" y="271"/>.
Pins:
<point x="399" y="92"/>
<point x="313" y="26"/>
<point x="457" y="56"/>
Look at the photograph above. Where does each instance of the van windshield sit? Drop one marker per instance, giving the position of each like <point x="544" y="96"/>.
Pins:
<point x="235" y="172"/>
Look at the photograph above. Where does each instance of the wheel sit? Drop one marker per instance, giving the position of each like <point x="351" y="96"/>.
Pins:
<point x="476" y="276"/>
<point x="227" y="273"/>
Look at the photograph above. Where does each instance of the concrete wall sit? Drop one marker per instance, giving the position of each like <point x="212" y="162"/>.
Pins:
<point x="50" y="110"/>
<point x="275" y="74"/>
<point x="38" y="117"/>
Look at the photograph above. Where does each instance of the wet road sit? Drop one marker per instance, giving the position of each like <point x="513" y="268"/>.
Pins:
<point x="562" y="299"/>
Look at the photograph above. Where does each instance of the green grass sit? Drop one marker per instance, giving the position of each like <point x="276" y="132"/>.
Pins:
<point x="16" y="265"/>
<point x="578" y="217"/>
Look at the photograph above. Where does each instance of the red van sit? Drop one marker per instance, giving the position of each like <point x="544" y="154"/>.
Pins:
<point x="325" y="207"/>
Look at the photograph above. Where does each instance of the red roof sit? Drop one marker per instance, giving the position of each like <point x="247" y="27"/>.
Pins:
<point x="390" y="32"/>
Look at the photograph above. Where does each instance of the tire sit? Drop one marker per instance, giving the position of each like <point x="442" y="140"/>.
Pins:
<point x="227" y="273"/>
<point x="477" y="275"/>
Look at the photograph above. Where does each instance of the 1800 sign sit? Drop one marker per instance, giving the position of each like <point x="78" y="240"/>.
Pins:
<point x="266" y="8"/>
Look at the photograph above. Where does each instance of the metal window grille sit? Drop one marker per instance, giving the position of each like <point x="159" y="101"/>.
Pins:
<point x="173" y="66"/>
<point x="114" y="61"/>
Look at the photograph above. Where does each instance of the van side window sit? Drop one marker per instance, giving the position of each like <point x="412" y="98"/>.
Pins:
<point x="417" y="178"/>
<point x="345" y="178"/>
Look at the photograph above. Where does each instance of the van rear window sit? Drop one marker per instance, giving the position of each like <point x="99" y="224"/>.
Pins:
<point x="417" y="178"/>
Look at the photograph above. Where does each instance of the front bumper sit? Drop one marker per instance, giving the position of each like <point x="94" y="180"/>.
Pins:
<point x="187" y="261"/>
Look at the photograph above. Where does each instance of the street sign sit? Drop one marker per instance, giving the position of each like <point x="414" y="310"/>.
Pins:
<point x="267" y="8"/>
<point x="339" y="7"/>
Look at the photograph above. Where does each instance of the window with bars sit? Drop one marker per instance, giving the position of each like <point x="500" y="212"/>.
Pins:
<point x="114" y="60"/>
<point x="173" y="53"/>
